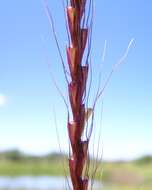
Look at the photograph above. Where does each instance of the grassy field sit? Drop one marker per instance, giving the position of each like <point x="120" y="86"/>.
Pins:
<point x="114" y="176"/>
<point x="127" y="176"/>
<point x="135" y="175"/>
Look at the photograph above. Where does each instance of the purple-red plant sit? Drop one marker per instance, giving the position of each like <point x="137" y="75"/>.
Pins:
<point x="79" y="29"/>
<point x="77" y="88"/>
<point x="79" y="14"/>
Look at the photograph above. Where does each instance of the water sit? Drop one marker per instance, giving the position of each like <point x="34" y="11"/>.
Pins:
<point x="36" y="183"/>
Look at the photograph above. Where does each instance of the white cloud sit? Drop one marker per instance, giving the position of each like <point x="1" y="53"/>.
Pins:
<point x="2" y="100"/>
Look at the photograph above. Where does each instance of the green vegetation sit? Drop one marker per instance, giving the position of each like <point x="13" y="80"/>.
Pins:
<point x="14" y="163"/>
<point x="135" y="175"/>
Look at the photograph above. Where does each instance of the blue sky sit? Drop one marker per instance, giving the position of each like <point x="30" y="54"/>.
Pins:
<point x="28" y="97"/>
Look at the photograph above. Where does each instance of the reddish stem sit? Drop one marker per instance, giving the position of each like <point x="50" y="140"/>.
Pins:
<point x="77" y="88"/>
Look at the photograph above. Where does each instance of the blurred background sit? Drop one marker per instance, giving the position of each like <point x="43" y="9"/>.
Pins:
<point x="32" y="113"/>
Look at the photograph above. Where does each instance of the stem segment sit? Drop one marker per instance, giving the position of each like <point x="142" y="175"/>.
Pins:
<point x="77" y="87"/>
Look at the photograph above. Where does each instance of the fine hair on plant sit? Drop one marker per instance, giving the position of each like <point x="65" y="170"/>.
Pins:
<point x="79" y="16"/>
